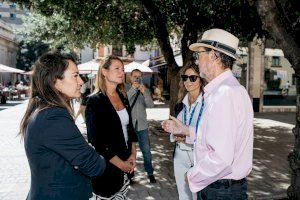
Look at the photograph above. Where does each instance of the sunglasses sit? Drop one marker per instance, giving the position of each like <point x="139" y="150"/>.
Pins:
<point x="196" y="54"/>
<point x="192" y="78"/>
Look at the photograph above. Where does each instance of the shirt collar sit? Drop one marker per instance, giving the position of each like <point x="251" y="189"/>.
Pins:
<point x="185" y="100"/>
<point x="216" y="82"/>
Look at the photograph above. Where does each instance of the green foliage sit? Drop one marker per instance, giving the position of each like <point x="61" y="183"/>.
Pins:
<point x="273" y="84"/>
<point x="28" y="53"/>
<point x="78" y="23"/>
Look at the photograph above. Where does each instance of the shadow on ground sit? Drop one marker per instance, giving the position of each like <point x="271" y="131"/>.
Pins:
<point x="9" y="104"/>
<point x="162" y="151"/>
<point x="284" y="117"/>
<point x="270" y="175"/>
<point x="269" y="178"/>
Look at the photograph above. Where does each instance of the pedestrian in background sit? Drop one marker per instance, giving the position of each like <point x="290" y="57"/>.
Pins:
<point x="190" y="103"/>
<point x="60" y="159"/>
<point x="110" y="130"/>
<point x="84" y="93"/>
<point x="140" y="98"/>
<point x="223" y="140"/>
<point x="287" y="86"/>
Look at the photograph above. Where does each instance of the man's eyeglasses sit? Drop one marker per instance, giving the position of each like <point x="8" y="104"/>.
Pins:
<point x="196" y="54"/>
<point x="192" y="78"/>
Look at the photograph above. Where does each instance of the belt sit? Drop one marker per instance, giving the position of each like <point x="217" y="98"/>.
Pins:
<point x="227" y="182"/>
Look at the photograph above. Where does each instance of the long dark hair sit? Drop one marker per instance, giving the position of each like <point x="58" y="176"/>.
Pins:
<point x="182" y="91"/>
<point x="47" y="69"/>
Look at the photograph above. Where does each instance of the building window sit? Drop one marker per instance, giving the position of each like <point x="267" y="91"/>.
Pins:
<point x="293" y="79"/>
<point x="275" y="61"/>
<point x="13" y="15"/>
<point x="117" y="50"/>
<point x="13" y="6"/>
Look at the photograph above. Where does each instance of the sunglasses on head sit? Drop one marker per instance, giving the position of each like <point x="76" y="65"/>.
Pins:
<point x="192" y="78"/>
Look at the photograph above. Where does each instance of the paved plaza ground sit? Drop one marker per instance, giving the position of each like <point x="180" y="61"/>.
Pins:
<point x="268" y="180"/>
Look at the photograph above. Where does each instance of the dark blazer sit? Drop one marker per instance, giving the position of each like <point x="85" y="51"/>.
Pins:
<point x="105" y="133"/>
<point x="60" y="159"/>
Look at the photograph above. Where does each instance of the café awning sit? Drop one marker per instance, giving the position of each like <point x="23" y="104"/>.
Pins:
<point x="89" y="67"/>
<point x="7" y="69"/>
<point x="134" y="65"/>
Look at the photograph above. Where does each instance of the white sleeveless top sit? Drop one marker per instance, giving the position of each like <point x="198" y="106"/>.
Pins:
<point x="124" y="117"/>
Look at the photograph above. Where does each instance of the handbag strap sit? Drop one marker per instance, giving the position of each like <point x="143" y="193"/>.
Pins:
<point x="136" y="96"/>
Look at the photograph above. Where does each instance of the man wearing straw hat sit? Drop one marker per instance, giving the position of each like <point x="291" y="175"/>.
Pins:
<point x="223" y="139"/>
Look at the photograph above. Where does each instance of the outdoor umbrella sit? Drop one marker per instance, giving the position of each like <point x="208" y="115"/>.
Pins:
<point x="89" y="67"/>
<point x="7" y="69"/>
<point x="134" y="65"/>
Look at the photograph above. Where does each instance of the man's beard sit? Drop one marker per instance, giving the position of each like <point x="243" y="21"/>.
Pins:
<point x="202" y="75"/>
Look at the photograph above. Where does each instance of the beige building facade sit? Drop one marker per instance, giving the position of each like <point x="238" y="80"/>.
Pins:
<point x="271" y="82"/>
<point x="8" y="50"/>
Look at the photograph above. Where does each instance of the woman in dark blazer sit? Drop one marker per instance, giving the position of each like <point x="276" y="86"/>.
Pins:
<point x="110" y="131"/>
<point x="60" y="159"/>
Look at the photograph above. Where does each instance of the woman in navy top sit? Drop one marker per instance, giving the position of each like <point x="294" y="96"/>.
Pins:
<point x="60" y="159"/>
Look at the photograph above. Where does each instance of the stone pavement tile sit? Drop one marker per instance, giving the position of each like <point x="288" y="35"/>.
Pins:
<point x="269" y="178"/>
<point x="162" y="151"/>
<point x="14" y="169"/>
<point x="273" y="141"/>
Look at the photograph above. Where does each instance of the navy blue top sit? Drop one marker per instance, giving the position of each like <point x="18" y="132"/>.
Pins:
<point x="60" y="159"/>
<point x="104" y="130"/>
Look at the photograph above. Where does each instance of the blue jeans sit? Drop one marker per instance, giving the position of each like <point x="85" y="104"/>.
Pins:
<point x="224" y="190"/>
<point x="144" y="145"/>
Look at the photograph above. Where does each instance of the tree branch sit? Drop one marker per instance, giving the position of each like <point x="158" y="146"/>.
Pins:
<point x="161" y="33"/>
<point x="269" y="15"/>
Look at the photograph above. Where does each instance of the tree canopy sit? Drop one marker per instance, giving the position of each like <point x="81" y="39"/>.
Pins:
<point x="29" y="52"/>
<point x="130" y="22"/>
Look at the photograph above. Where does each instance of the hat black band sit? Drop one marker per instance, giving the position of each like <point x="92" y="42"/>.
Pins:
<point x="219" y="45"/>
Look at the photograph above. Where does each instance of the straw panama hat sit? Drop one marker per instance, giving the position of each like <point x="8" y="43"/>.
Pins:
<point x="219" y="40"/>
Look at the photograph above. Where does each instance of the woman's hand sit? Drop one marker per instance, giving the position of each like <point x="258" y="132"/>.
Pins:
<point x="132" y="159"/>
<point x="127" y="167"/>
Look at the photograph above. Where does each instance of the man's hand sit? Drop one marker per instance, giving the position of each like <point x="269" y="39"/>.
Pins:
<point x="135" y="85"/>
<point x="180" y="138"/>
<point x="142" y="88"/>
<point x="175" y="126"/>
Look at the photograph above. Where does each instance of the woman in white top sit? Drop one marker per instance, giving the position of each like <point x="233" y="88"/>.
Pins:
<point x="110" y="131"/>
<point x="189" y="106"/>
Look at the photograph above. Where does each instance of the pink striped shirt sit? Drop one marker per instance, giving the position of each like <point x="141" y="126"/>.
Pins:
<point x="223" y="146"/>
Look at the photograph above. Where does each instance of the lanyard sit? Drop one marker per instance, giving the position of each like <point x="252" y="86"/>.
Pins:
<point x="191" y="116"/>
